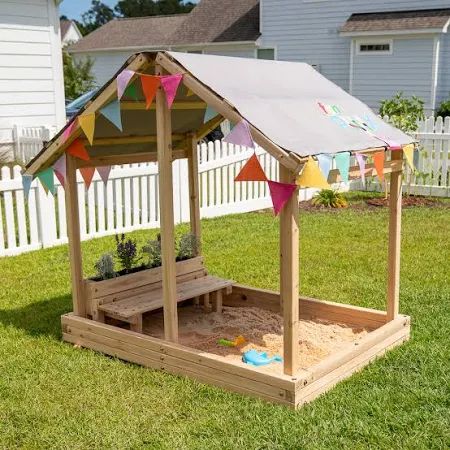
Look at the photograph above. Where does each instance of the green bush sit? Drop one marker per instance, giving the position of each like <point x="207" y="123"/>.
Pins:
<point x="329" y="198"/>
<point x="444" y="109"/>
<point x="404" y="113"/>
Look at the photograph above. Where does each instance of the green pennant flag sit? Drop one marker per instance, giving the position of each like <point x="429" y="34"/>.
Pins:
<point x="47" y="179"/>
<point x="131" y="91"/>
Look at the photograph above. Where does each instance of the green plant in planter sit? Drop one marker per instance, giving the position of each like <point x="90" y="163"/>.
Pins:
<point x="153" y="251"/>
<point x="126" y="252"/>
<point x="105" y="267"/>
<point x="329" y="199"/>
<point x="188" y="247"/>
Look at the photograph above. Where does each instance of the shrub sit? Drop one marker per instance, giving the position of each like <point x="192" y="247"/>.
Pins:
<point x="153" y="251"/>
<point x="404" y="113"/>
<point x="444" y="109"/>
<point x="188" y="247"/>
<point x="105" y="267"/>
<point x="329" y="198"/>
<point x="126" y="251"/>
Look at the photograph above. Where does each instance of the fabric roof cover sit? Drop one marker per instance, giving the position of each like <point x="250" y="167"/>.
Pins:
<point x="281" y="99"/>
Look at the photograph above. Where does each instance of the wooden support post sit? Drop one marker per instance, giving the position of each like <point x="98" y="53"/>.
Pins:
<point x="217" y="305"/>
<point x="164" y="150"/>
<point x="289" y="275"/>
<point x="194" y="203"/>
<point x="395" y="218"/>
<point x="73" y="234"/>
<point x="206" y="304"/>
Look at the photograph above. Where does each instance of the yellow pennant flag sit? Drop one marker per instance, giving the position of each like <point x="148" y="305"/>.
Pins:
<point x="189" y="93"/>
<point x="87" y="124"/>
<point x="311" y="176"/>
<point x="408" y="151"/>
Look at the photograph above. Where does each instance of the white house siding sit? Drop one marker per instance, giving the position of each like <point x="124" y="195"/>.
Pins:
<point x="407" y="69"/>
<point x="308" y="30"/>
<point x="107" y="63"/>
<point x="443" y="91"/>
<point x="31" y="76"/>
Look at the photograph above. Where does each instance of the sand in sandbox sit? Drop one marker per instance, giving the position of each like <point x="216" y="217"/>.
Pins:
<point x="262" y="330"/>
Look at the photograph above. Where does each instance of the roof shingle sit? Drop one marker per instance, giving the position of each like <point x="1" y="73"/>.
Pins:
<point x="397" y="20"/>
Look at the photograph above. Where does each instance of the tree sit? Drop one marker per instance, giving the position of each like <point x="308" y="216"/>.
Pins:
<point x="404" y="113"/>
<point x="141" y="8"/>
<point x="95" y="17"/>
<point x="78" y="78"/>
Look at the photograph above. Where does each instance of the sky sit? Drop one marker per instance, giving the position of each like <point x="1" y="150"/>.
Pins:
<point x="74" y="8"/>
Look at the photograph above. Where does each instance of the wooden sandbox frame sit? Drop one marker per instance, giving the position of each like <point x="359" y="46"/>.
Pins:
<point x="295" y="386"/>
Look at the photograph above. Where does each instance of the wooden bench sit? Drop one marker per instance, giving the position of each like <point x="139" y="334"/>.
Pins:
<point x="193" y="282"/>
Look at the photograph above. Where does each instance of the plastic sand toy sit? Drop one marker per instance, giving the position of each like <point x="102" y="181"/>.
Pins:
<point x="256" y="358"/>
<point x="227" y="343"/>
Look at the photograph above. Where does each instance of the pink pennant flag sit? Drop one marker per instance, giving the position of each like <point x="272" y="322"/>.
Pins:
<point x="362" y="166"/>
<point x="104" y="172"/>
<point x="123" y="79"/>
<point x="392" y="145"/>
<point x="170" y="85"/>
<point x="240" y="135"/>
<point x="280" y="193"/>
<point x="68" y="131"/>
<point x="60" y="169"/>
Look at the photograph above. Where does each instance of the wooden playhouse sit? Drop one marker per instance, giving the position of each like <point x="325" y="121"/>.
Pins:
<point x="283" y="103"/>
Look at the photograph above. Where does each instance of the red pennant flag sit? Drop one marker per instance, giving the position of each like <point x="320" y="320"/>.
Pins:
<point x="378" y="160"/>
<point x="170" y="85"/>
<point x="77" y="149"/>
<point x="280" y="193"/>
<point x="87" y="173"/>
<point x="252" y="171"/>
<point x="150" y="85"/>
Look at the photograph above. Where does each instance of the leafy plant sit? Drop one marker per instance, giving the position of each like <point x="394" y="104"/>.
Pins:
<point x="153" y="251"/>
<point x="78" y="78"/>
<point x="329" y="198"/>
<point x="404" y="113"/>
<point x="444" y="109"/>
<point x="126" y="251"/>
<point x="188" y="247"/>
<point x="105" y="267"/>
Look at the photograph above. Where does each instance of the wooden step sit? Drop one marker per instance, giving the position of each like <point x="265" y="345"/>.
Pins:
<point x="130" y="307"/>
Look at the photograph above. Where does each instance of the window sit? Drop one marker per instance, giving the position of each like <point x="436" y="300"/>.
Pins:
<point x="375" y="48"/>
<point x="265" y="53"/>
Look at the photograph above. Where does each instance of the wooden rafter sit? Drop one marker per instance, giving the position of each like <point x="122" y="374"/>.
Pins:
<point x="179" y="105"/>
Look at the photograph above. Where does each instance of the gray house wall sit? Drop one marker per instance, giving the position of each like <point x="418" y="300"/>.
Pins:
<point x="308" y="30"/>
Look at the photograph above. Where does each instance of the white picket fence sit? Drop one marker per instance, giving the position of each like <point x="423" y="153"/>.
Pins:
<point x="28" y="141"/>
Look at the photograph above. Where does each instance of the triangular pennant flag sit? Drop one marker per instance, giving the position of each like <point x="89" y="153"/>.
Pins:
<point x="311" y="176"/>
<point x="240" y="135"/>
<point x="189" y="93"/>
<point x="408" y="151"/>
<point x="252" y="171"/>
<point x="87" y="173"/>
<point x="150" y="85"/>
<point x="60" y="169"/>
<point x="104" y="172"/>
<point x="170" y="85"/>
<point x="122" y="80"/>
<point x="280" y="193"/>
<point x="391" y="144"/>
<point x="87" y="124"/>
<point x="68" y="131"/>
<point x="325" y="164"/>
<point x="361" y="159"/>
<point x="47" y="179"/>
<point x="26" y="184"/>
<point x="209" y="114"/>
<point x="378" y="160"/>
<point x="131" y="91"/>
<point x="343" y="164"/>
<point x="112" y="112"/>
<point x="77" y="149"/>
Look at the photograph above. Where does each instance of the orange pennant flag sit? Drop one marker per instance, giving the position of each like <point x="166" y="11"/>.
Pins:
<point x="150" y="85"/>
<point x="87" y="124"/>
<point x="87" y="173"/>
<point x="77" y="149"/>
<point x="252" y="171"/>
<point x="378" y="160"/>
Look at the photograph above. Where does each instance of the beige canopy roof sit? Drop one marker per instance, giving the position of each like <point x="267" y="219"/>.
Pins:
<point x="293" y="111"/>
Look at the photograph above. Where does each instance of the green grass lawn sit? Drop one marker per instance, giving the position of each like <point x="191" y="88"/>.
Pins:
<point x="53" y="395"/>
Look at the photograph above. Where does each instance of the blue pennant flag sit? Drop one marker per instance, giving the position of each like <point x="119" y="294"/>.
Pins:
<point x="343" y="164"/>
<point x="112" y="112"/>
<point x="26" y="184"/>
<point x="325" y="164"/>
<point x="209" y="114"/>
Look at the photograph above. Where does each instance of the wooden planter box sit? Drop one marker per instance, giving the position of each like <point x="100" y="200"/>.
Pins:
<point x="292" y="391"/>
<point x="126" y="286"/>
